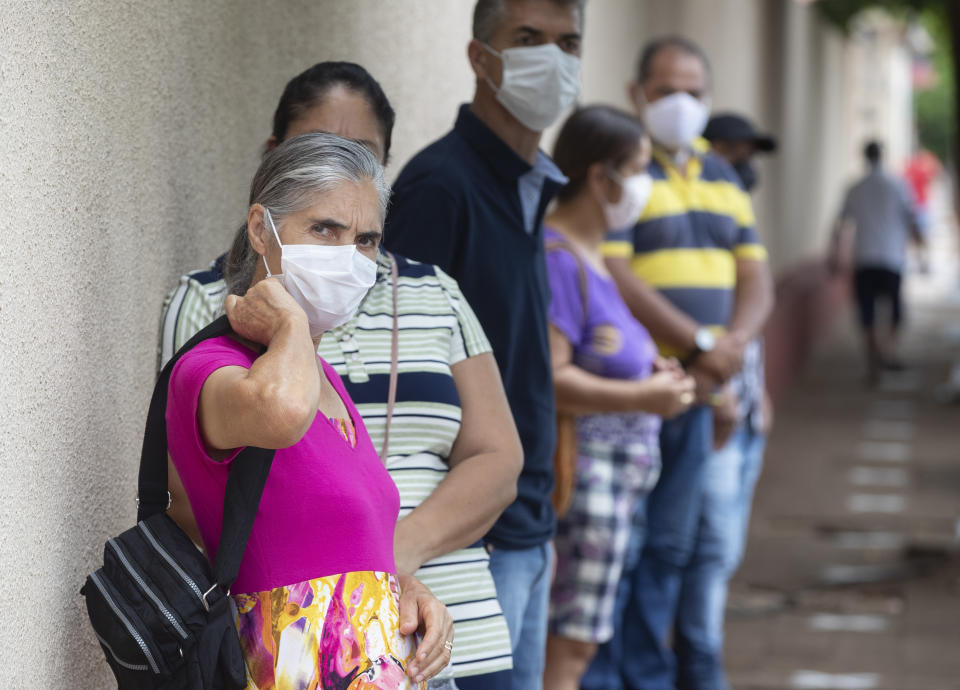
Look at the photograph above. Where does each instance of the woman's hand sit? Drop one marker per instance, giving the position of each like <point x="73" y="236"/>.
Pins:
<point x="265" y="309"/>
<point x="422" y="612"/>
<point x="667" y="364"/>
<point x="273" y="403"/>
<point x="668" y="393"/>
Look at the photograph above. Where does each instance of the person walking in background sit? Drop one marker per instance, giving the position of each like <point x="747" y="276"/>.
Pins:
<point x="741" y="422"/>
<point x="879" y="212"/>
<point x="473" y="203"/>
<point x="453" y="449"/>
<point x="607" y="373"/>
<point x="694" y="272"/>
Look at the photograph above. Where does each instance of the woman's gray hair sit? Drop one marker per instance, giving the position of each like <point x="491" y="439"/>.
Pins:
<point x="289" y="177"/>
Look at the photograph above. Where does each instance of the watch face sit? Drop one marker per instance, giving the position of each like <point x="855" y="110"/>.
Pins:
<point x="705" y="340"/>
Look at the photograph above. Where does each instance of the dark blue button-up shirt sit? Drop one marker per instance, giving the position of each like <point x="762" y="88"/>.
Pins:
<point x="457" y="204"/>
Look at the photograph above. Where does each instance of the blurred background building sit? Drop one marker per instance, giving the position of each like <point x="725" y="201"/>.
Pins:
<point x="823" y="93"/>
<point x="129" y="133"/>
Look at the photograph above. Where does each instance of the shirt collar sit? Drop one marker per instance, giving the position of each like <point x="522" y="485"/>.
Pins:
<point x="503" y="160"/>
<point x="544" y="178"/>
<point x="546" y="168"/>
<point x="691" y="158"/>
<point x="384" y="265"/>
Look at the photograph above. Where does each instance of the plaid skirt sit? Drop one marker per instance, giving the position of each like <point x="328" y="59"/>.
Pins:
<point x="592" y="538"/>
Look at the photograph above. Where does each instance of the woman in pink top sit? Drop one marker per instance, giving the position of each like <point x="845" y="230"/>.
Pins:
<point x="319" y="604"/>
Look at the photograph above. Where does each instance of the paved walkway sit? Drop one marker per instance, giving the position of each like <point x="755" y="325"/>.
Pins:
<point x="852" y="575"/>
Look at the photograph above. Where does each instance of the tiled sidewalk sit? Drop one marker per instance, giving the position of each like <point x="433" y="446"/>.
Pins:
<point x="852" y="575"/>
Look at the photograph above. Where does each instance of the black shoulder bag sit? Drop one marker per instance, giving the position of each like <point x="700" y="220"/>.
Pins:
<point x="163" y="616"/>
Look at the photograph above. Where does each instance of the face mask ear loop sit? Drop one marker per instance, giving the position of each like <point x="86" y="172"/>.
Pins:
<point x="494" y="87"/>
<point x="266" y="213"/>
<point x="614" y="175"/>
<point x="642" y="105"/>
<point x="617" y="179"/>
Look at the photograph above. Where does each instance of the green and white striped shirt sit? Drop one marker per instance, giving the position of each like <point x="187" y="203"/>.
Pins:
<point x="437" y="329"/>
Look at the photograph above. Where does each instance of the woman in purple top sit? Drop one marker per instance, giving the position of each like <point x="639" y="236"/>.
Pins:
<point x="318" y="600"/>
<point x="607" y="373"/>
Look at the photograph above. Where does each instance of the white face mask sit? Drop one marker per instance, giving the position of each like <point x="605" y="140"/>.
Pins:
<point x="633" y="199"/>
<point x="538" y="84"/>
<point x="676" y="120"/>
<point x="328" y="282"/>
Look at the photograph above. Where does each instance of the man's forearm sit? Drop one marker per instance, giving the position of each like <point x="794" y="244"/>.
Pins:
<point x="753" y="299"/>
<point x="666" y="323"/>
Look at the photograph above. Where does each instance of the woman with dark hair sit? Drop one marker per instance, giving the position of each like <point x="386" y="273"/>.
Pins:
<point x="337" y="97"/>
<point x="607" y="374"/>
<point x="453" y="450"/>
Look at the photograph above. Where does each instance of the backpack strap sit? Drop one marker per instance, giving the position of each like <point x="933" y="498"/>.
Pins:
<point x="565" y="246"/>
<point x="247" y="476"/>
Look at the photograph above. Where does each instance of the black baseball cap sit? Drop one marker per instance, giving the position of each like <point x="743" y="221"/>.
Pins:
<point x="730" y="127"/>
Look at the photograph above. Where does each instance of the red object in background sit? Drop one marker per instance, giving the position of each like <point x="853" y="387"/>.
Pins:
<point x="923" y="75"/>
<point x="922" y="169"/>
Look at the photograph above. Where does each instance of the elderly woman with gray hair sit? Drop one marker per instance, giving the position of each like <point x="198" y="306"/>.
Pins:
<point x="318" y="602"/>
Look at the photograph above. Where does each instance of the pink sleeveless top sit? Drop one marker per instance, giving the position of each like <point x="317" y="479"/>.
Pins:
<point x="327" y="507"/>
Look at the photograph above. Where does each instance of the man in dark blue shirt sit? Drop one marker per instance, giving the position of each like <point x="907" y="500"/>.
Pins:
<point x="473" y="204"/>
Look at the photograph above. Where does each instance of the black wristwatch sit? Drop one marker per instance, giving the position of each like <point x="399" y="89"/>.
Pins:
<point x="703" y="341"/>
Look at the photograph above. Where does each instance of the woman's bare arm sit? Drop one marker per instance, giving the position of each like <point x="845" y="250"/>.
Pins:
<point x="274" y="402"/>
<point x="484" y="465"/>
<point x="580" y="392"/>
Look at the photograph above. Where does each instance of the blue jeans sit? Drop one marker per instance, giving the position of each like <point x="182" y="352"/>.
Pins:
<point x="639" y="656"/>
<point x="500" y="680"/>
<point x="729" y="479"/>
<point x="522" y="577"/>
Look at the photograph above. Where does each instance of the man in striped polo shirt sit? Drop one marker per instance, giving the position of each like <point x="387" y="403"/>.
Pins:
<point x="694" y="272"/>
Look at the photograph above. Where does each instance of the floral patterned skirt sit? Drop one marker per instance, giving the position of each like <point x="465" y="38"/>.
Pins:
<point x="340" y="632"/>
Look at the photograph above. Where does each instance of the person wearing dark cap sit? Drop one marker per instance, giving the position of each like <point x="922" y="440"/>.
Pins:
<point x="742" y="415"/>
<point x="735" y="139"/>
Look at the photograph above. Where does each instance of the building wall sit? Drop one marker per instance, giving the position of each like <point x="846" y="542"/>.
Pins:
<point x="128" y="138"/>
<point x="129" y="135"/>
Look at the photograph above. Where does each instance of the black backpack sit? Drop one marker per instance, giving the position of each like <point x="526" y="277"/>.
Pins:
<point x="163" y="616"/>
